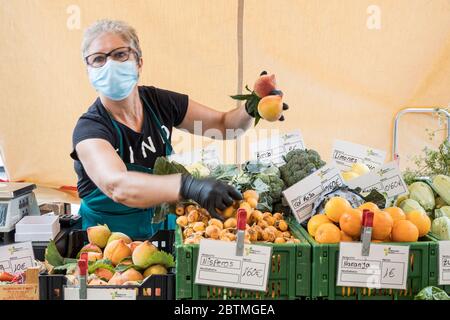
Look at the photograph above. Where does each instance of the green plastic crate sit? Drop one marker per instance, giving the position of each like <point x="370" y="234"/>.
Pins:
<point x="436" y="267"/>
<point x="325" y="259"/>
<point x="290" y="276"/>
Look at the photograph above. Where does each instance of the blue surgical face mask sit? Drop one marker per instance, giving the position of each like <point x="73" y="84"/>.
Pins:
<point x="115" y="80"/>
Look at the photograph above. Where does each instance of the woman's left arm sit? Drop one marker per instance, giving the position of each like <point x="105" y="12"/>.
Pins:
<point x="200" y="118"/>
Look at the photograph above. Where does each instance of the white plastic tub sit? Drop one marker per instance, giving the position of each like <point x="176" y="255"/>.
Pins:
<point x="37" y="228"/>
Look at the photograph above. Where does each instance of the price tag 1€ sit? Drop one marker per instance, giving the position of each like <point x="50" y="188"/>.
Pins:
<point x="301" y="196"/>
<point x="347" y="153"/>
<point x="16" y="258"/>
<point x="272" y="150"/>
<point x="444" y="262"/>
<point x="218" y="265"/>
<point x="386" y="266"/>
<point x="387" y="179"/>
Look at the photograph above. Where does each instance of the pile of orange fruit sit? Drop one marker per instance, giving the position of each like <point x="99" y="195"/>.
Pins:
<point x="341" y="222"/>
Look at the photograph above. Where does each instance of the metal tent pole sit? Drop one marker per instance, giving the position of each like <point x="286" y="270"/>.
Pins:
<point x="395" y="154"/>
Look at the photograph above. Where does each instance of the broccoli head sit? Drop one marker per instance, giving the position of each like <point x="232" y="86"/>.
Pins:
<point x="274" y="183"/>
<point x="299" y="165"/>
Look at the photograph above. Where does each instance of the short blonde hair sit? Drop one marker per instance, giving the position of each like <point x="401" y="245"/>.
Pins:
<point x="121" y="28"/>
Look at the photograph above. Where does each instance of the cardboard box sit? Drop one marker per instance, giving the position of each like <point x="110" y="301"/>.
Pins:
<point x="59" y="208"/>
<point x="27" y="291"/>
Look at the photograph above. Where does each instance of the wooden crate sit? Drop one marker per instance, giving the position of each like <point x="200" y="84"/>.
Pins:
<point x="27" y="291"/>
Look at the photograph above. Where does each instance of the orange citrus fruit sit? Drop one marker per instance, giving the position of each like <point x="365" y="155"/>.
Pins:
<point x="335" y="207"/>
<point x="405" y="231"/>
<point x="369" y="206"/>
<point x="396" y="213"/>
<point x="328" y="233"/>
<point x="421" y="220"/>
<point x="350" y="222"/>
<point x="315" y="222"/>
<point x="382" y="225"/>
<point x="345" y="237"/>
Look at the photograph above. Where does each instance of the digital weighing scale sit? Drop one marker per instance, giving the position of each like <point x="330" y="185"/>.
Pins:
<point x="16" y="201"/>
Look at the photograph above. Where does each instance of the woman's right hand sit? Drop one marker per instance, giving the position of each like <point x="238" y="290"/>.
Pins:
<point x="209" y="193"/>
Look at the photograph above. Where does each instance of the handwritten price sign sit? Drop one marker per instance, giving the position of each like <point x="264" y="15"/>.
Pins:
<point x="301" y="196"/>
<point x="386" y="266"/>
<point x="218" y="265"/>
<point x="16" y="258"/>
<point x="208" y="156"/>
<point x="345" y="154"/>
<point x="386" y="179"/>
<point x="444" y="262"/>
<point x="272" y="150"/>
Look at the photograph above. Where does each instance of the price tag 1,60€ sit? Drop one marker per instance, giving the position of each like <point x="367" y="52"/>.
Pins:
<point x="301" y="196"/>
<point x="386" y="266"/>
<point x="218" y="265"/>
<point x="444" y="262"/>
<point x="387" y="179"/>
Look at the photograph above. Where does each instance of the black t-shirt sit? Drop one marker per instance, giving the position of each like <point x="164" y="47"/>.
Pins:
<point x="138" y="148"/>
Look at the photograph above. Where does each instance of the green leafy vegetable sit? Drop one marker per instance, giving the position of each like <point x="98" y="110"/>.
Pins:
<point x="161" y="257"/>
<point x="101" y="264"/>
<point x="165" y="167"/>
<point x="67" y="269"/>
<point x="430" y="163"/>
<point x="225" y="172"/>
<point x="52" y="255"/>
<point x="125" y="267"/>
<point x="251" y="103"/>
<point x="254" y="175"/>
<point x="432" y="293"/>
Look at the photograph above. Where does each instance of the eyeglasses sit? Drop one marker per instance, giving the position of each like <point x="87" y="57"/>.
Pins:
<point x="97" y="60"/>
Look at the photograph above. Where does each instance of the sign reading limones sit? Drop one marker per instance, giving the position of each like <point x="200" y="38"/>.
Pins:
<point x="386" y="266"/>
<point x="345" y="154"/>
<point x="272" y="150"/>
<point x="386" y="179"/>
<point x="218" y="265"/>
<point x="301" y="196"/>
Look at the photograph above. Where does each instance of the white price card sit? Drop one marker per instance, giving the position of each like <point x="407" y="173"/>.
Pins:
<point x="301" y="196"/>
<point x="272" y="150"/>
<point x="346" y="153"/>
<point x="208" y="156"/>
<point x="218" y="265"/>
<point x="16" y="258"/>
<point x="386" y="266"/>
<point x="444" y="262"/>
<point x="387" y="179"/>
<point x="73" y="293"/>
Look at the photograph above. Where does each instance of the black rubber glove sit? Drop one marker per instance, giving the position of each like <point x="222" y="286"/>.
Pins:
<point x="209" y="193"/>
<point x="273" y="92"/>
